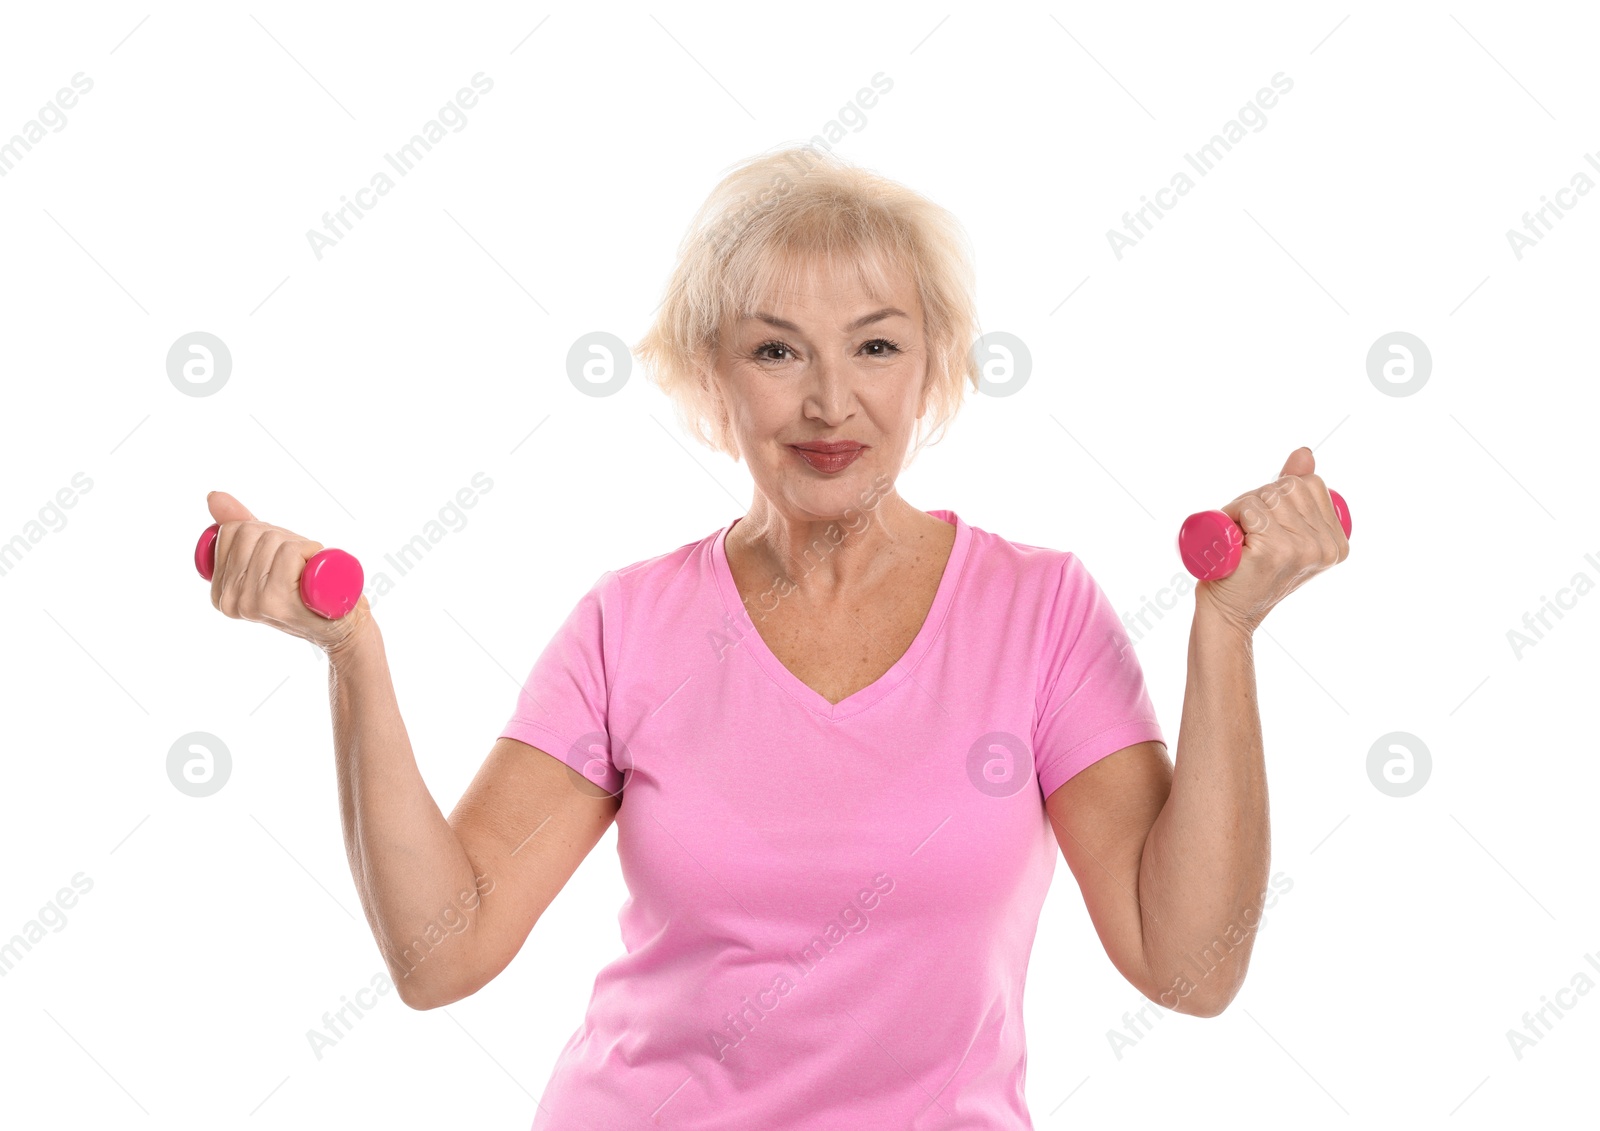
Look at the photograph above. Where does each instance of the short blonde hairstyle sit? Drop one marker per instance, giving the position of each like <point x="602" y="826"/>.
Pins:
<point x="765" y="228"/>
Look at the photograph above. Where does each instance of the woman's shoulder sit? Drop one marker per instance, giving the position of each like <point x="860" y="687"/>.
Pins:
<point x="996" y="557"/>
<point x="658" y="571"/>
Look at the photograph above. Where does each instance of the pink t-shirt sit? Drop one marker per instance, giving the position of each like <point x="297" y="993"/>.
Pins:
<point x="831" y="906"/>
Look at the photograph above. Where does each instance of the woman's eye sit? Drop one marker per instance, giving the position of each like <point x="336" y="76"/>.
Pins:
<point x="763" y="351"/>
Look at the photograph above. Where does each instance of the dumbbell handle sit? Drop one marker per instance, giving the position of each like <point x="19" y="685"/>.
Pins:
<point x="1210" y="543"/>
<point x="330" y="585"/>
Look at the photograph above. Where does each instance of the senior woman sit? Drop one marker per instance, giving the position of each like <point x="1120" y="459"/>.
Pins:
<point x="841" y="737"/>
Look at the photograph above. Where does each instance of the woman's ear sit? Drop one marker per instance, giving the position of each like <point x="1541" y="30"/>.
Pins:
<point x="723" y="436"/>
<point x="927" y="389"/>
<point x="730" y="436"/>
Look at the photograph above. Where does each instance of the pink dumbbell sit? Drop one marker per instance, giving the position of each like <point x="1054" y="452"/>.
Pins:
<point x="330" y="585"/>
<point x="1210" y="543"/>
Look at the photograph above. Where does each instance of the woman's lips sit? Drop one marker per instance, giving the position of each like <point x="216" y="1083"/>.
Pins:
<point x="828" y="458"/>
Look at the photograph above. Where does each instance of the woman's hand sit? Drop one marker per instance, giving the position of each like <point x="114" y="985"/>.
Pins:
<point x="1291" y="534"/>
<point x="257" y="577"/>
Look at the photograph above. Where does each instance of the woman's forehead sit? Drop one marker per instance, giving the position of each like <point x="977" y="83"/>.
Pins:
<point x="816" y="290"/>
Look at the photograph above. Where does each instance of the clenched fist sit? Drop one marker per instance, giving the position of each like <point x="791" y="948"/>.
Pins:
<point x="1291" y="533"/>
<point x="257" y="577"/>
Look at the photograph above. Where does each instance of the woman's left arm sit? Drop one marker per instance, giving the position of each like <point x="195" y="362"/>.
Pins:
<point x="1173" y="862"/>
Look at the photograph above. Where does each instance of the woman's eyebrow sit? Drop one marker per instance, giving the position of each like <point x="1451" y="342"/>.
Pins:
<point x="865" y="319"/>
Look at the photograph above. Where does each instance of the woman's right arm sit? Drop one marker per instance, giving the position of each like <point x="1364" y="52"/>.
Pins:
<point x="450" y="902"/>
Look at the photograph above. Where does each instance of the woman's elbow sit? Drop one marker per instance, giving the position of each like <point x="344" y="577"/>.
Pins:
<point x="440" y="987"/>
<point x="1208" y="1001"/>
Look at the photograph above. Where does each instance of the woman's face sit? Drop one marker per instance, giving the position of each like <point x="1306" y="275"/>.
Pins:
<point x="836" y="365"/>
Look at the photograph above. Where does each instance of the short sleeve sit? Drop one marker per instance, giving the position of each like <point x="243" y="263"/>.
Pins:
<point x="562" y="707"/>
<point x="1092" y="699"/>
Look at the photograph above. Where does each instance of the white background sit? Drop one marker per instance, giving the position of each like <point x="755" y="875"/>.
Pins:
<point x="369" y="386"/>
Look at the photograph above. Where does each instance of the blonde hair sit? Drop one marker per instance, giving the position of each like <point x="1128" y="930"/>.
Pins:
<point x="767" y="227"/>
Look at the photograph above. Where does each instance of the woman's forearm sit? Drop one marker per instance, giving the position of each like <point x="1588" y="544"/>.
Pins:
<point x="407" y="861"/>
<point x="1204" y="869"/>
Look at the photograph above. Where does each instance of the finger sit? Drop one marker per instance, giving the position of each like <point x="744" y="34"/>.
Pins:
<point x="279" y="591"/>
<point x="1321" y="501"/>
<point x="1329" y="517"/>
<point x="1301" y="461"/>
<point x="225" y="508"/>
<point x="262" y="589"/>
<point x="235" y="546"/>
<point x="1253" y="511"/>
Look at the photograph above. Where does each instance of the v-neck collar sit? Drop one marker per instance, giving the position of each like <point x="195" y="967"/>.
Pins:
<point x="797" y="688"/>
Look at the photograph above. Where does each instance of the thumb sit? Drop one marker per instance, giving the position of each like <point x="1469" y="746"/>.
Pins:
<point x="226" y="508"/>
<point x="1300" y="462"/>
